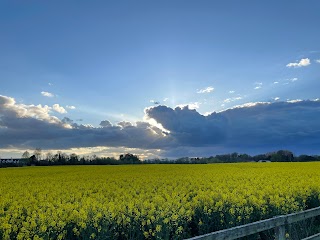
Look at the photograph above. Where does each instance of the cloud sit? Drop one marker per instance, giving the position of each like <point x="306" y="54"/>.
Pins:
<point x="228" y="100"/>
<point x="289" y="80"/>
<point x="47" y="94"/>
<point x="302" y="63"/>
<point x="188" y="127"/>
<point x="30" y="126"/>
<point x="165" y="99"/>
<point x="206" y="90"/>
<point x="125" y="124"/>
<point x="71" y="107"/>
<point x="86" y="151"/>
<point x="194" y="105"/>
<point x="252" y="127"/>
<point x="232" y="91"/>
<point x="276" y="98"/>
<point x="9" y="108"/>
<point x="258" y="85"/>
<point x="50" y="84"/>
<point x="275" y="82"/>
<point x="294" y="101"/>
<point x="261" y="126"/>
<point x="318" y="61"/>
<point x="58" y="108"/>
<point x="105" y="123"/>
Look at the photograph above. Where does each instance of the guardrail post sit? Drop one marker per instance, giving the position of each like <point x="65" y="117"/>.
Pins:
<point x="280" y="233"/>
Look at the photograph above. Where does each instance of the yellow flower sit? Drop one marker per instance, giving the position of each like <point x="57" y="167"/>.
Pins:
<point x="158" y="228"/>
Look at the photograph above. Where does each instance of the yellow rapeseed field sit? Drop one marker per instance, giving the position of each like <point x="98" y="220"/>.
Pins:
<point x="149" y="201"/>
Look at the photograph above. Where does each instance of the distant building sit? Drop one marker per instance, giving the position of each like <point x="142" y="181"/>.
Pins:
<point x="264" y="161"/>
<point x="10" y="160"/>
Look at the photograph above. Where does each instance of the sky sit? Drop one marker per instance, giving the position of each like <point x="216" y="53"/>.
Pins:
<point x="159" y="78"/>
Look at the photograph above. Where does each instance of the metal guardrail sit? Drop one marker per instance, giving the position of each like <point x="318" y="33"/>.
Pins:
<point x="278" y="223"/>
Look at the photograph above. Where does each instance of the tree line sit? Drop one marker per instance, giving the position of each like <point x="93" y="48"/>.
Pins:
<point x="37" y="158"/>
<point x="61" y="158"/>
<point x="277" y="156"/>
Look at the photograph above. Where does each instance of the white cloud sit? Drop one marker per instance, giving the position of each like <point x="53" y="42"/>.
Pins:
<point x="276" y="98"/>
<point x="47" y="94"/>
<point x="8" y="106"/>
<point x="71" y="107"/>
<point x="293" y="79"/>
<point x="50" y="84"/>
<point x="294" y="101"/>
<point x="231" y="91"/>
<point x="166" y="99"/>
<point x="258" y="85"/>
<point x="318" y="61"/>
<point x="154" y="101"/>
<point x="302" y="63"/>
<point x="58" y="108"/>
<point x="206" y="90"/>
<point x="275" y="82"/>
<point x="250" y="104"/>
<point x="228" y="100"/>
<point x="192" y="106"/>
<point x="84" y="126"/>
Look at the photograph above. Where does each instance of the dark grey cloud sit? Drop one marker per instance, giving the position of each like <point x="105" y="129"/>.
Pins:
<point x="188" y="127"/>
<point x="105" y="123"/>
<point x="125" y="124"/>
<point x="254" y="128"/>
<point x="293" y="125"/>
<point x="28" y="126"/>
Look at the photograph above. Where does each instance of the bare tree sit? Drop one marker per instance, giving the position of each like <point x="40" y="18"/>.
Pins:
<point x="26" y="155"/>
<point x="49" y="156"/>
<point x="37" y="153"/>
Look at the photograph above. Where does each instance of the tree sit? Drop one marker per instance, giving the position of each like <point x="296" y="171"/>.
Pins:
<point x="129" y="158"/>
<point x="33" y="160"/>
<point x="37" y="153"/>
<point x="282" y="156"/>
<point x="234" y="156"/>
<point x="49" y="156"/>
<point x="73" y="159"/>
<point x="26" y="155"/>
<point x="276" y="157"/>
<point x="62" y="158"/>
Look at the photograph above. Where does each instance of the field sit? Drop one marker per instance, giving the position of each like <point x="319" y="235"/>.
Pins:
<point x="149" y="201"/>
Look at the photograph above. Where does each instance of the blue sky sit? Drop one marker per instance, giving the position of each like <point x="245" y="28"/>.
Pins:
<point x="91" y="61"/>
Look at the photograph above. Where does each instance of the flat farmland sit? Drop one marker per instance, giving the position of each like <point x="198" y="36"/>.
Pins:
<point x="149" y="201"/>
